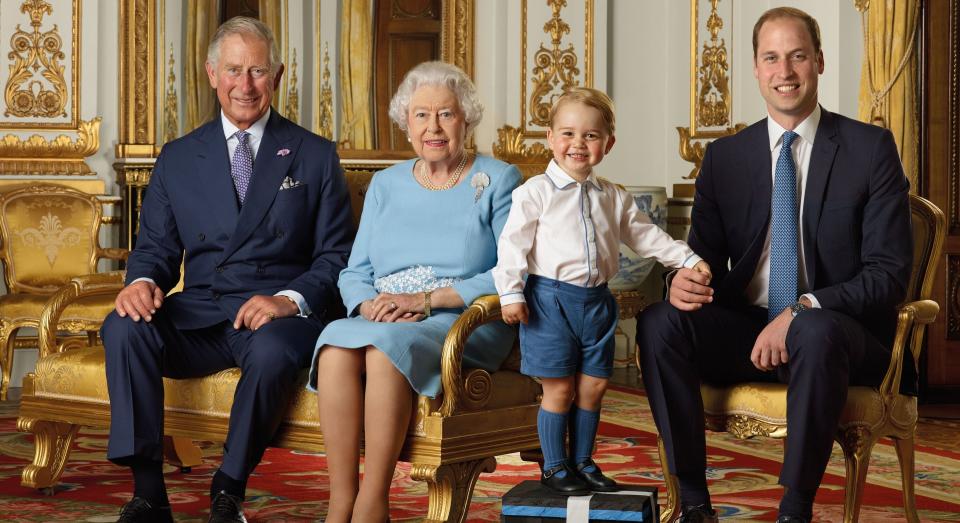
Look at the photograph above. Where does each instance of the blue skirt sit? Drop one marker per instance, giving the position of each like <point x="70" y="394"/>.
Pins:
<point x="414" y="348"/>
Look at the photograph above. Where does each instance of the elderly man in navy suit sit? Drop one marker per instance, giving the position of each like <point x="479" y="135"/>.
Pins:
<point x="258" y="211"/>
<point x="805" y="220"/>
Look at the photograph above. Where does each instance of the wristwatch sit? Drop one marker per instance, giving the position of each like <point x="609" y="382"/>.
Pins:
<point x="797" y="308"/>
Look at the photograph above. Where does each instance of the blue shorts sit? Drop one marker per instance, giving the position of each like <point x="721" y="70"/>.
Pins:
<point x="570" y="329"/>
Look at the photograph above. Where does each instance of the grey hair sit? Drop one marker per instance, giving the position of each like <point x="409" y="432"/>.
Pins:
<point x="437" y="74"/>
<point x="244" y="26"/>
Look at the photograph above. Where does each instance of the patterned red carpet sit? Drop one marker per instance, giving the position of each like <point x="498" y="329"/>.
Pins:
<point x="291" y="487"/>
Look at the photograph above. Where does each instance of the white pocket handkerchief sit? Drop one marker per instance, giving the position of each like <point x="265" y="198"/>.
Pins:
<point x="289" y="183"/>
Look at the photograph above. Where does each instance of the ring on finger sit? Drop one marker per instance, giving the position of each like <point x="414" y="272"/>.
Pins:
<point x="272" y="316"/>
<point x="393" y="305"/>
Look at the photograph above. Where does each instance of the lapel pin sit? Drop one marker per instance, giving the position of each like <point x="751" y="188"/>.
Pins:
<point x="283" y="152"/>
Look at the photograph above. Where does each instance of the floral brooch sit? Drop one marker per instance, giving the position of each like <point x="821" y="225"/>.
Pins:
<point x="479" y="182"/>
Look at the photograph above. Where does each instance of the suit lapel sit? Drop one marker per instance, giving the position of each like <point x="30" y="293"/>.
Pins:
<point x="821" y="163"/>
<point x="213" y="166"/>
<point x="759" y="165"/>
<point x="269" y="170"/>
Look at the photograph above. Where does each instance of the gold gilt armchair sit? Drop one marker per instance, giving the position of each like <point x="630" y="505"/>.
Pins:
<point x="450" y="441"/>
<point x="760" y="409"/>
<point x="49" y="234"/>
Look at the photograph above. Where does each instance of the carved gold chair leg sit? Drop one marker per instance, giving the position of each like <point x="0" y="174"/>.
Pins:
<point x="52" y="442"/>
<point x="671" y="505"/>
<point x="905" y="457"/>
<point x="857" y="444"/>
<point x="450" y="487"/>
<point x="7" y="338"/>
<point x="181" y="452"/>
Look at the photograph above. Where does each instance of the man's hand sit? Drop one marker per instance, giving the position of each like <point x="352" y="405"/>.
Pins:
<point x="515" y="313"/>
<point x="704" y="268"/>
<point x="689" y="288"/>
<point x="140" y="299"/>
<point x="394" y="307"/>
<point x="770" y="349"/>
<point x="260" y="309"/>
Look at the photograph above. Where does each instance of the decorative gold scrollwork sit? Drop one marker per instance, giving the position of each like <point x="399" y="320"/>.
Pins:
<point x="171" y="125"/>
<point x="553" y="66"/>
<point x="25" y="95"/>
<point x="326" y="98"/>
<point x="50" y="235"/>
<point x="714" y="95"/>
<point x="510" y="147"/>
<point x="292" y="110"/>
<point x="37" y="155"/>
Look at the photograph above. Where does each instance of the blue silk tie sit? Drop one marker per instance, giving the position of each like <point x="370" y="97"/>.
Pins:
<point x="241" y="165"/>
<point x="783" y="232"/>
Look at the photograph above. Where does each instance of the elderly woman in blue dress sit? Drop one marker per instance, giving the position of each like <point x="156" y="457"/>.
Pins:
<point x="426" y="244"/>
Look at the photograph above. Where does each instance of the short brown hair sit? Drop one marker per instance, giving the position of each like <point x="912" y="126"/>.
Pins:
<point x="590" y="97"/>
<point x="788" y="12"/>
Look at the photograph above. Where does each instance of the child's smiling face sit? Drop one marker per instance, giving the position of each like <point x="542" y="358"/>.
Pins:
<point x="579" y="139"/>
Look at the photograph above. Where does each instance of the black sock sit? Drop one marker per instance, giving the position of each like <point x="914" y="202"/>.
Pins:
<point x="693" y="491"/>
<point x="148" y="482"/>
<point x="223" y="482"/>
<point x="798" y="503"/>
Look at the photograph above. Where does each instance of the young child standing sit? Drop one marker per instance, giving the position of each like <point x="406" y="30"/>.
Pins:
<point x="564" y="233"/>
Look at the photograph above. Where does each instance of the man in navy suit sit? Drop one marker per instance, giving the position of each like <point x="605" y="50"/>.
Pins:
<point x="843" y="208"/>
<point x="258" y="211"/>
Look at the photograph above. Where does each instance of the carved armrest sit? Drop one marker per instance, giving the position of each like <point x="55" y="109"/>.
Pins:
<point x="80" y="287"/>
<point x="483" y="310"/>
<point x="912" y="319"/>
<point x="112" y="253"/>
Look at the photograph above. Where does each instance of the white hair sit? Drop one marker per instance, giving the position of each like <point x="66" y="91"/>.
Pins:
<point x="438" y="74"/>
<point x="244" y="26"/>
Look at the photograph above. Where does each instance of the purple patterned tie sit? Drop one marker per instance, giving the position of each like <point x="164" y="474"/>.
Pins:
<point x="241" y="166"/>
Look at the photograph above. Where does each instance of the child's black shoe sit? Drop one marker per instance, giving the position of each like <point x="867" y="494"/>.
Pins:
<point x="595" y="479"/>
<point x="563" y="480"/>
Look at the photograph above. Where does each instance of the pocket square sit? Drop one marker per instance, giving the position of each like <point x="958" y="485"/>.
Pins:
<point x="289" y="183"/>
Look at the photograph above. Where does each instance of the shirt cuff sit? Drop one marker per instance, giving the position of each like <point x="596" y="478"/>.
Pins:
<point x="511" y="298"/>
<point x="813" y="300"/>
<point x="298" y="299"/>
<point x="691" y="261"/>
<point x="143" y="279"/>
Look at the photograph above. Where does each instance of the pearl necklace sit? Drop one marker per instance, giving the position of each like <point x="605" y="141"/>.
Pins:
<point x="451" y="181"/>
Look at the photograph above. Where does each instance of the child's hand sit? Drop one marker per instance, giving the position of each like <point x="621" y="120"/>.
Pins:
<point x="703" y="267"/>
<point x="514" y="313"/>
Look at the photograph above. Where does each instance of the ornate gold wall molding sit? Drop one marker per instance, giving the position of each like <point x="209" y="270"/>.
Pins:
<point x="457" y="37"/>
<point x="171" y="125"/>
<point x="325" y="122"/>
<point x="138" y="24"/>
<point x="292" y="108"/>
<point x="711" y="98"/>
<point x="38" y="86"/>
<point x="61" y="155"/>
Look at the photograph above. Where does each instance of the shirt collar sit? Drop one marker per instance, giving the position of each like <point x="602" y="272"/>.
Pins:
<point x="807" y="129"/>
<point x="256" y="130"/>
<point x="561" y="180"/>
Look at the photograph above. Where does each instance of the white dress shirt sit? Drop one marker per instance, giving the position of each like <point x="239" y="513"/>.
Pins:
<point x="569" y="231"/>
<point x="256" y="136"/>
<point x="759" y="287"/>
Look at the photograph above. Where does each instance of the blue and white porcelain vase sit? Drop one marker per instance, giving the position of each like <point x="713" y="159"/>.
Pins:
<point x="634" y="269"/>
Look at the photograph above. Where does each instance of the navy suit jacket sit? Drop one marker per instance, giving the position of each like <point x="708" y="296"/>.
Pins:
<point x="857" y="233"/>
<point x="297" y="238"/>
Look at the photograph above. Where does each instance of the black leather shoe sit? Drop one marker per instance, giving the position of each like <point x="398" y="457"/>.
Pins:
<point x="596" y="480"/>
<point x="225" y="508"/>
<point x="698" y="514"/>
<point x="139" y="510"/>
<point x="568" y="485"/>
<point x="791" y="519"/>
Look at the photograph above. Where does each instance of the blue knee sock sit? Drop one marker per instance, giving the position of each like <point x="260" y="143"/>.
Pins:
<point x="583" y="434"/>
<point x="552" y="429"/>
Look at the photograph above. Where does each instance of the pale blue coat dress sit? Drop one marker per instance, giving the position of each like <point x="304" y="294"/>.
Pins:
<point x="412" y="239"/>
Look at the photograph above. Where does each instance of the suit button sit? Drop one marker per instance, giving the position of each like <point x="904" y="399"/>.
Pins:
<point x="216" y="295"/>
<point x="201" y="236"/>
<point x="279" y="235"/>
<point x="219" y="269"/>
<point x="260" y="269"/>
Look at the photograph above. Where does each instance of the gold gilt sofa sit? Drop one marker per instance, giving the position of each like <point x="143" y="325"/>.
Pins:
<point x="450" y="441"/>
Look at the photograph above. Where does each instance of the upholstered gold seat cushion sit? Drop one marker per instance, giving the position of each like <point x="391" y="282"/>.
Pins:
<point x="767" y="402"/>
<point x="22" y="308"/>
<point x="78" y="375"/>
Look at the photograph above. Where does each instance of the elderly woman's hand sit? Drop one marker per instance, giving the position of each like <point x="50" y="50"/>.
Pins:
<point x="393" y="308"/>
